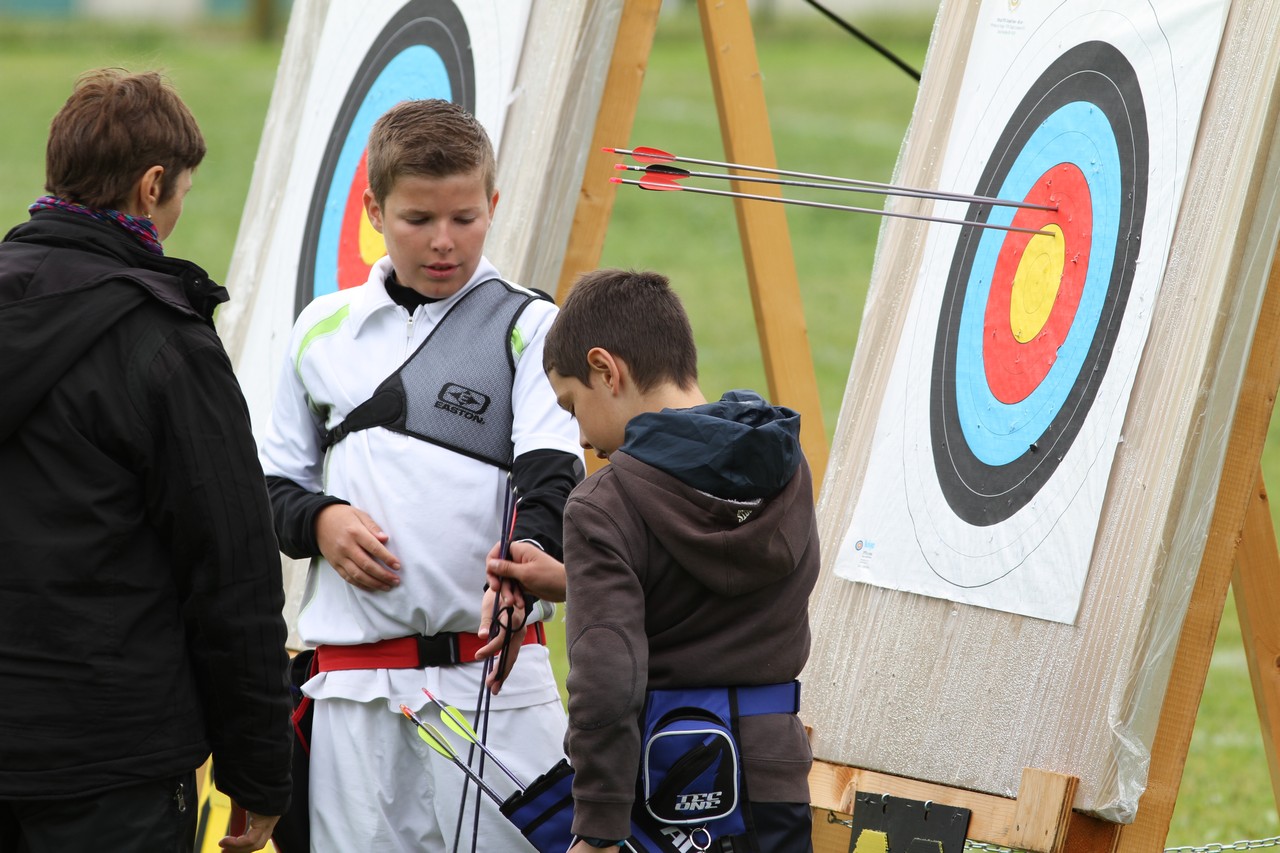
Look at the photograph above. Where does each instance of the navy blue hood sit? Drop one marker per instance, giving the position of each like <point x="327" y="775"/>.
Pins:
<point x="739" y="447"/>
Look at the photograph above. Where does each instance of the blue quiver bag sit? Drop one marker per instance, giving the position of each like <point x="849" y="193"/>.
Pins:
<point x="690" y="770"/>
<point x="543" y="811"/>
<point x="690" y="790"/>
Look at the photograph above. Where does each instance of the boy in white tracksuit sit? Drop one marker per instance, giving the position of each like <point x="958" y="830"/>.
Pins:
<point x="399" y="505"/>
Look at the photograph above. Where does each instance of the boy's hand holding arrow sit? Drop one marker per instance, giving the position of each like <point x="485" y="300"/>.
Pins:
<point x="503" y="616"/>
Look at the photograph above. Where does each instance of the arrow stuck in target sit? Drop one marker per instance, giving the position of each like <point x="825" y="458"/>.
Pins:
<point x="659" y="181"/>
<point x="657" y="160"/>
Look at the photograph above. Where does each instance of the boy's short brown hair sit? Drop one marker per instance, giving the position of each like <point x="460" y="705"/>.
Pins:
<point x="431" y="138"/>
<point x="114" y="127"/>
<point x="636" y="316"/>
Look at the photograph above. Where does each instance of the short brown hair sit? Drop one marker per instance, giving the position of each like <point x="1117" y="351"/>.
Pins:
<point x="114" y="127"/>
<point x="431" y="138"/>
<point x="636" y="316"/>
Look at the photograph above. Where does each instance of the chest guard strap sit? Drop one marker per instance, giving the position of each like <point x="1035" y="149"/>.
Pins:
<point x="455" y="390"/>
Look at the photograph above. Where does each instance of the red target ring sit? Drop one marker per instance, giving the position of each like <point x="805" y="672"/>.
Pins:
<point x="353" y="265"/>
<point x="1036" y="284"/>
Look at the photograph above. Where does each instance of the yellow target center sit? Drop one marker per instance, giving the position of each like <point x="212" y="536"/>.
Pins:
<point x="1035" y="284"/>
<point x="372" y="246"/>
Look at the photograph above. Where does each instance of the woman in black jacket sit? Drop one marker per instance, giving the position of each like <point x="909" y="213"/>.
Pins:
<point x="140" y="588"/>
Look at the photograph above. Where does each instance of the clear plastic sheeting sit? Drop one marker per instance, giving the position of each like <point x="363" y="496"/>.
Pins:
<point x="968" y="697"/>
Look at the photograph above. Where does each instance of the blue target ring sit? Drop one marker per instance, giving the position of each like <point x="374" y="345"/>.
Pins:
<point x="994" y="431"/>
<point x="424" y="51"/>
<point x="991" y="457"/>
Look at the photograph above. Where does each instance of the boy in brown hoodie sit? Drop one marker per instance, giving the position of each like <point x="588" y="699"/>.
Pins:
<point x="690" y="560"/>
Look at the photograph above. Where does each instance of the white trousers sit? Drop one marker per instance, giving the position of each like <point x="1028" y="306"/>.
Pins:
<point x="376" y="787"/>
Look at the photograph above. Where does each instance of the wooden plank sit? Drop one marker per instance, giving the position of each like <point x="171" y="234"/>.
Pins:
<point x="1256" y="585"/>
<point x="617" y="113"/>
<point x="613" y="128"/>
<point x="1182" y="700"/>
<point x="546" y="139"/>
<point x="1090" y="835"/>
<point x="247" y="277"/>
<point x="762" y="226"/>
<point x="1043" y="810"/>
<point x="1237" y="493"/>
<point x="829" y="835"/>
<point x="1040" y="819"/>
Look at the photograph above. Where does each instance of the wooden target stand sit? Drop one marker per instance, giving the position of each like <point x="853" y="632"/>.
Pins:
<point x="766" y="242"/>
<point x="1240" y="552"/>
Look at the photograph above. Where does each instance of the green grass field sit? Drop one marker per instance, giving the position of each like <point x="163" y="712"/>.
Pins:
<point x="835" y="106"/>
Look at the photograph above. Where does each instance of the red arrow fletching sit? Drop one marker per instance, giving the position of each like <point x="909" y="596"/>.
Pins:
<point x="659" y="181"/>
<point x="651" y="155"/>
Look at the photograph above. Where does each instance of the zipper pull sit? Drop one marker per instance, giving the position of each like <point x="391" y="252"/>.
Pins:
<point x="180" y="798"/>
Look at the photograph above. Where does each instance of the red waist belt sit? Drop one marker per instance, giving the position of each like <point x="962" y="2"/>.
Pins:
<point x="412" y="652"/>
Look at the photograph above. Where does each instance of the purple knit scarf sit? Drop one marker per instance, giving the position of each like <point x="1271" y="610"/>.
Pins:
<point x="143" y="229"/>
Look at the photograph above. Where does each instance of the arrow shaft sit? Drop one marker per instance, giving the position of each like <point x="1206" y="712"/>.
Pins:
<point x="826" y="206"/>
<point x="453" y="718"/>
<point x="941" y="195"/>
<point x="437" y="741"/>
<point x="868" y="187"/>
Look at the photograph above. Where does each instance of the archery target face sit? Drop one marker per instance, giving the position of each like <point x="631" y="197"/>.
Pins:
<point x="995" y="440"/>
<point x="1028" y="323"/>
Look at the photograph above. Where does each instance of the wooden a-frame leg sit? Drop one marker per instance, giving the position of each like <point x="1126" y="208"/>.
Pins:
<point x="1255" y="583"/>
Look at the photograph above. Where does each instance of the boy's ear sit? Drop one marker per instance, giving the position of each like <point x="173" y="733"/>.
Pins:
<point x="493" y="205"/>
<point x="373" y="210"/>
<point x="605" y="368"/>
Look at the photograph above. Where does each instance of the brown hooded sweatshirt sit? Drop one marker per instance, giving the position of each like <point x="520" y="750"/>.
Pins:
<point x="673" y="585"/>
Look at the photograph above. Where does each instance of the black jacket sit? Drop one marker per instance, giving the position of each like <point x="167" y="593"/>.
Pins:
<point x="140" y="588"/>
